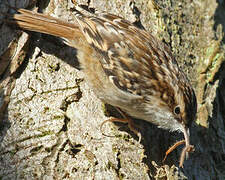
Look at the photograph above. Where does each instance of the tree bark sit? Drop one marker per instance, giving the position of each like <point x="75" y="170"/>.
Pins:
<point x="50" y="118"/>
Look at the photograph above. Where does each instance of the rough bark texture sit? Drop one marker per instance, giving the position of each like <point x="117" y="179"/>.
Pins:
<point x="50" y="118"/>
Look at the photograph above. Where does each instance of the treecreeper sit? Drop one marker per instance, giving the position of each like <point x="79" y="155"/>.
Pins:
<point x="125" y="66"/>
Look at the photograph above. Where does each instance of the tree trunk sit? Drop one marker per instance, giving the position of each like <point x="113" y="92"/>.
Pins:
<point x="50" y="119"/>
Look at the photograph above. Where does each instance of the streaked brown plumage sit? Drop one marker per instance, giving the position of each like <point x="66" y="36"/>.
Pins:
<point x="125" y="66"/>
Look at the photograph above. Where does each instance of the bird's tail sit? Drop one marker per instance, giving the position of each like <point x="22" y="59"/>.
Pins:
<point x="32" y="21"/>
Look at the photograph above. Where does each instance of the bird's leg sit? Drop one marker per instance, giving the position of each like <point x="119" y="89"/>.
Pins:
<point x="125" y="119"/>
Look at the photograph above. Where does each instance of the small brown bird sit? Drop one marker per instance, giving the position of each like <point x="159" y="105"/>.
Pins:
<point x="125" y="66"/>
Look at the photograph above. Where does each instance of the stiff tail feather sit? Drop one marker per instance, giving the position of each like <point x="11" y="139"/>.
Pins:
<point x="32" y="21"/>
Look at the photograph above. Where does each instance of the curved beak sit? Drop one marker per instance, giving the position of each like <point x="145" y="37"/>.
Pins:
<point x="188" y="148"/>
<point x="186" y="136"/>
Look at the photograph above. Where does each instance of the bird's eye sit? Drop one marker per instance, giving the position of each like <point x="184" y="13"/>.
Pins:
<point x="177" y="110"/>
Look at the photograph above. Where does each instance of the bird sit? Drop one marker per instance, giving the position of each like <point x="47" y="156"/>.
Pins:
<point x="126" y="67"/>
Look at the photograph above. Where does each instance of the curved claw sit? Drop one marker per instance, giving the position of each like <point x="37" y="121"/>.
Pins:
<point x="127" y="120"/>
<point x="108" y="120"/>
